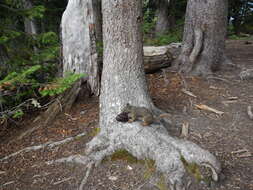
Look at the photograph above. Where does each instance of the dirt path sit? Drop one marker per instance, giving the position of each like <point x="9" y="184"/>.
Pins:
<point x="229" y="136"/>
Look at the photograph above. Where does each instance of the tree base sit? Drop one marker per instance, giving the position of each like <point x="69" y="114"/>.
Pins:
<point x="172" y="156"/>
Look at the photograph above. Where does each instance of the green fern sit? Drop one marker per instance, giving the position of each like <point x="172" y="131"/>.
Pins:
<point x="59" y="85"/>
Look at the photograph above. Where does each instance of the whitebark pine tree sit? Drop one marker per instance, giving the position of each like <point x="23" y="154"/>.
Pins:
<point x="123" y="81"/>
<point x="79" y="42"/>
<point x="204" y="37"/>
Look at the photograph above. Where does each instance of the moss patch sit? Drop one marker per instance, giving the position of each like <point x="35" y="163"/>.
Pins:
<point x="150" y="168"/>
<point x="123" y="155"/>
<point x="200" y="173"/>
<point x="162" y="185"/>
<point x="94" y="132"/>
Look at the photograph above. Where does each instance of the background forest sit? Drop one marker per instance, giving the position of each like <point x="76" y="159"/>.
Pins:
<point x="30" y="58"/>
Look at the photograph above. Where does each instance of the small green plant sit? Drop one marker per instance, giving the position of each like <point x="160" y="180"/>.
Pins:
<point x="94" y="132"/>
<point x="19" y="91"/>
<point x="164" y="39"/>
<point x="238" y="37"/>
<point x="193" y="169"/>
<point x="162" y="185"/>
<point x="123" y="155"/>
<point x="150" y="168"/>
<point x="59" y="85"/>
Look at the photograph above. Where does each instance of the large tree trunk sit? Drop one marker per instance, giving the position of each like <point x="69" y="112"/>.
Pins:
<point x="79" y="42"/>
<point x="162" y="24"/>
<point x="204" y="37"/>
<point x="123" y="81"/>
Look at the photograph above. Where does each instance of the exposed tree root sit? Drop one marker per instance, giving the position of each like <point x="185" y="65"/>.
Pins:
<point x="153" y="143"/>
<point x="84" y="181"/>
<point x="77" y="159"/>
<point x="46" y="145"/>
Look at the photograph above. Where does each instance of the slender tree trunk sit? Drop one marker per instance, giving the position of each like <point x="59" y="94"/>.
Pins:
<point x="79" y="42"/>
<point x="163" y="24"/>
<point x="30" y="25"/>
<point x="96" y="4"/>
<point x="123" y="81"/>
<point x="3" y="59"/>
<point x="204" y="37"/>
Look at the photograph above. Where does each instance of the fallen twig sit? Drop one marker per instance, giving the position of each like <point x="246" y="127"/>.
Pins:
<point x="188" y="93"/>
<point x="48" y="144"/>
<point x="239" y="151"/>
<point x="229" y="102"/>
<point x="207" y="108"/>
<point x="242" y="153"/>
<point x="64" y="180"/>
<point x="249" y="111"/>
<point x="218" y="78"/>
<point x="8" y="183"/>
<point x="245" y="155"/>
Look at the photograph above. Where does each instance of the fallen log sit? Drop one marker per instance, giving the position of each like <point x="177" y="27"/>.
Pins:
<point x="158" y="57"/>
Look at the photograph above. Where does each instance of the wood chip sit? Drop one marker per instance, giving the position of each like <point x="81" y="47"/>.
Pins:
<point x="239" y="151"/>
<point x="233" y="98"/>
<point x="226" y="103"/>
<point x="245" y="155"/>
<point x="185" y="130"/>
<point x="207" y="108"/>
<point x="188" y="93"/>
<point x="249" y="111"/>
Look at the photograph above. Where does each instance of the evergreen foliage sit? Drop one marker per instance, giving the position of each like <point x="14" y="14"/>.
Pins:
<point x="29" y="62"/>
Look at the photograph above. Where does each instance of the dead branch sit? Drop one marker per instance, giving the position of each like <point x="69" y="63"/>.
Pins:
<point x="207" y="108"/>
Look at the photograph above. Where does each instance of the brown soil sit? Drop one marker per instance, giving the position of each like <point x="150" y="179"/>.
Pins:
<point x="222" y="135"/>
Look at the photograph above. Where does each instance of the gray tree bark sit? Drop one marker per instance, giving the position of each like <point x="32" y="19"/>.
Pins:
<point x="96" y="4"/>
<point x="3" y="59"/>
<point x="162" y="24"/>
<point x="79" y="42"/>
<point x="123" y="81"/>
<point x="204" y="37"/>
<point x="30" y="25"/>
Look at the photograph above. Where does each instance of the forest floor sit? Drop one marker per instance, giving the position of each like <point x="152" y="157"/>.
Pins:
<point x="229" y="136"/>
